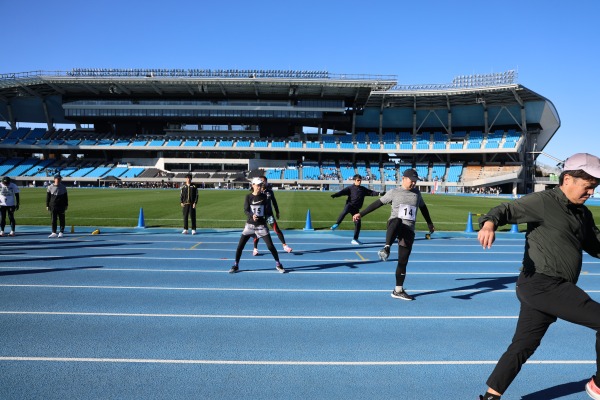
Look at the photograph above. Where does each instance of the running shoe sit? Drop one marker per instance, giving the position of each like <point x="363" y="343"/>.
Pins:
<point x="287" y="248"/>
<point x="279" y="267"/>
<point x="402" y="295"/>
<point x="1" y="233"/>
<point x="334" y="227"/>
<point x="592" y="390"/>
<point x="12" y="233"/>
<point x="193" y="231"/>
<point x="234" y="269"/>
<point x="255" y="252"/>
<point x="356" y="242"/>
<point x="384" y="253"/>
<point x="53" y="235"/>
<point x="184" y="232"/>
<point x="60" y="234"/>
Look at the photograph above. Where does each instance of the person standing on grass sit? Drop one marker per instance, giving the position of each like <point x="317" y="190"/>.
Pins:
<point x="57" y="202"/>
<point x="405" y="200"/>
<point x="255" y="205"/>
<point x="559" y="229"/>
<point x="9" y="203"/>
<point x="188" y="197"/>
<point x="271" y="205"/>
<point x="356" y="197"/>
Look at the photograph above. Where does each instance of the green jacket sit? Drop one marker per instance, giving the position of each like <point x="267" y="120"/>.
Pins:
<point x="557" y="232"/>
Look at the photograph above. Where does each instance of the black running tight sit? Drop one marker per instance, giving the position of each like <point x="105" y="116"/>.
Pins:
<point x="244" y="239"/>
<point x="403" y="254"/>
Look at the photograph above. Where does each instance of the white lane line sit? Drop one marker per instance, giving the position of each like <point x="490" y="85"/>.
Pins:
<point x="282" y="362"/>
<point x="221" y="271"/>
<point x="286" y="290"/>
<point x="231" y="316"/>
<point x="288" y="260"/>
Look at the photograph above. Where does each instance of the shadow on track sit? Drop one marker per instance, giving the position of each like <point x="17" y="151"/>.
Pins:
<point x="486" y="285"/>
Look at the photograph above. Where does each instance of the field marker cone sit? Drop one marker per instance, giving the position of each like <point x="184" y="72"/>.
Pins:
<point x="141" y="223"/>
<point x="469" y="224"/>
<point x="514" y="229"/>
<point x="308" y="225"/>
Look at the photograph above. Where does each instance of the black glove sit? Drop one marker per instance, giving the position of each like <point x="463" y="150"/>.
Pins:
<point x="382" y="194"/>
<point x="333" y="196"/>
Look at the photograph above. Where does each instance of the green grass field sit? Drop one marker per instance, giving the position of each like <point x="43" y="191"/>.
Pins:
<point x="223" y="209"/>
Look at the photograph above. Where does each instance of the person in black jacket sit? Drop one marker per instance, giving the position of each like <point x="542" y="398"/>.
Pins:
<point x="255" y="205"/>
<point x="356" y="197"/>
<point x="559" y="228"/>
<point x="189" y="199"/>
<point x="57" y="202"/>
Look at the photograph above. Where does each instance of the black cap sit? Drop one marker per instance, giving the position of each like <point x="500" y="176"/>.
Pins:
<point x="57" y="176"/>
<point x="6" y="179"/>
<point x="411" y="174"/>
<point x="357" y="176"/>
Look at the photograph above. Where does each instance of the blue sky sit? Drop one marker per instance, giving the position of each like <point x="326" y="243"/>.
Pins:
<point x="552" y="44"/>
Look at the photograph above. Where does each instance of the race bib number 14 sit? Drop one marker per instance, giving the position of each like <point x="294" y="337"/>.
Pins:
<point x="407" y="212"/>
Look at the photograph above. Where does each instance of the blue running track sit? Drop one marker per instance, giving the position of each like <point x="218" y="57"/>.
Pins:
<point x="153" y="314"/>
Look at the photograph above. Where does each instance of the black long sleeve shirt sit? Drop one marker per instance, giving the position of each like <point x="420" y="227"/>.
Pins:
<point x="356" y="195"/>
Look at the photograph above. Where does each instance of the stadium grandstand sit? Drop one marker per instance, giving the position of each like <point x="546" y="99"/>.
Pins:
<point x="303" y="129"/>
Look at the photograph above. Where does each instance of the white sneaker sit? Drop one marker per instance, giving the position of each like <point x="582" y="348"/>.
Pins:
<point x="1" y="233"/>
<point x="287" y="248"/>
<point x="357" y="242"/>
<point x="255" y="252"/>
<point x="193" y="231"/>
<point x="12" y="233"/>
<point x="60" y="234"/>
<point x="53" y="235"/>
<point x="184" y="232"/>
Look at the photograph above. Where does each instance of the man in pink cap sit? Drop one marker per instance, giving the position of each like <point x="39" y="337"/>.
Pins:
<point x="559" y="229"/>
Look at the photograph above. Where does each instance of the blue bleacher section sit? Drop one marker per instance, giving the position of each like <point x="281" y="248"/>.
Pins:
<point x="132" y="172"/>
<point x="389" y="172"/>
<point x="23" y="167"/>
<point x="226" y="143"/>
<point x="41" y="166"/>
<point x="438" y="171"/>
<point x="117" y="171"/>
<point x="98" y="172"/>
<point x="310" y="171"/>
<point x="173" y="143"/>
<point x="454" y="173"/>
<point x="273" y="174"/>
<point x="347" y="172"/>
<point x="139" y="142"/>
<point x="207" y="143"/>
<point x="291" y="174"/>
<point x="8" y="165"/>
<point x="191" y="143"/>
<point x="422" y="171"/>
<point x="81" y="172"/>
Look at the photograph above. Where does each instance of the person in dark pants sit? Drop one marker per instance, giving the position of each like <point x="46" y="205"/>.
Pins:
<point x="559" y="229"/>
<point x="356" y="197"/>
<point x="271" y="205"/>
<point x="405" y="200"/>
<point x="255" y="204"/>
<point x="188" y="198"/>
<point x="9" y="203"/>
<point x="57" y="202"/>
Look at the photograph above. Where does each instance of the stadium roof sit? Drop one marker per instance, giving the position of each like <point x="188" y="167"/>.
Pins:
<point x="115" y="83"/>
